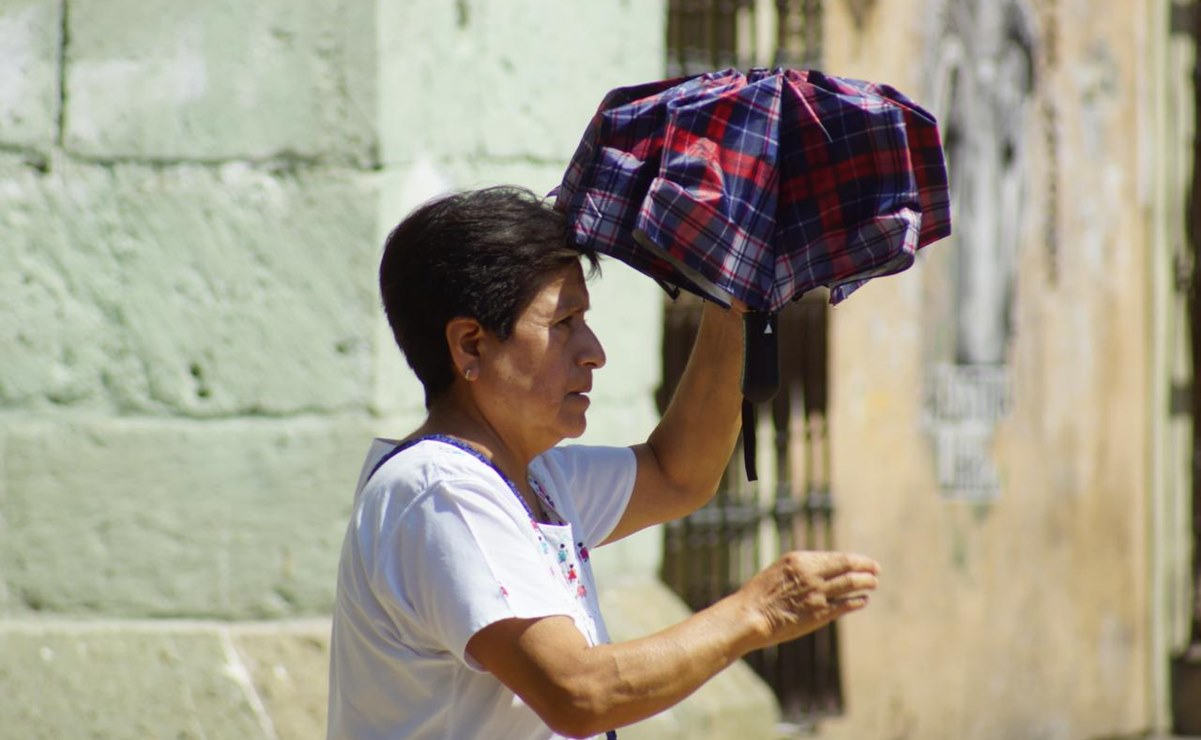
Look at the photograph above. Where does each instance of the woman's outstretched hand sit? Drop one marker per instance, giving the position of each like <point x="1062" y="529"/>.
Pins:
<point x="803" y="591"/>
<point x="580" y="689"/>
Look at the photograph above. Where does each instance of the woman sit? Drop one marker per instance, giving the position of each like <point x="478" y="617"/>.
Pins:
<point x="465" y="604"/>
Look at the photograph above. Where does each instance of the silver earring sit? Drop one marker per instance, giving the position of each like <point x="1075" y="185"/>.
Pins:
<point x="469" y="374"/>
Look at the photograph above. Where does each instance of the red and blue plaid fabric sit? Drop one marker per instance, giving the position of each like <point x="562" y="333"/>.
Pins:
<point x="761" y="186"/>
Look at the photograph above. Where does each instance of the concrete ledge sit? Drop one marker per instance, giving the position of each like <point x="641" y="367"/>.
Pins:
<point x="249" y="680"/>
<point x="137" y="680"/>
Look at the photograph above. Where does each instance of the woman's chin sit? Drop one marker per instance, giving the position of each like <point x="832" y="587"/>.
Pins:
<point x="575" y="420"/>
<point x="575" y="427"/>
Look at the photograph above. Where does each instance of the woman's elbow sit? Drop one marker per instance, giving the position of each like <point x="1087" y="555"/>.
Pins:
<point x="576" y="725"/>
<point x="576" y="710"/>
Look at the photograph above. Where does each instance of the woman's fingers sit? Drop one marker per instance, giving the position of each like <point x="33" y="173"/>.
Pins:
<point x="850" y="583"/>
<point x="845" y="604"/>
<point x="833" y="564"/>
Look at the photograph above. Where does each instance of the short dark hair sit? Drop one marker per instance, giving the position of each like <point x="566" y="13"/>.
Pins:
<point x="480" y="254"/>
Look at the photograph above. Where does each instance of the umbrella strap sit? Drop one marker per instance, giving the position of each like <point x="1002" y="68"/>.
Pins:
<point x="748" y="439"/>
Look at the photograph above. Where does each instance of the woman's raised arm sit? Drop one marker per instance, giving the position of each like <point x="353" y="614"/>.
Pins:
<point x="681" y="464"/>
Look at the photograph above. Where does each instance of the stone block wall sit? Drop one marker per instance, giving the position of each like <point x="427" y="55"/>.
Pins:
<point x="188" y="211"/>
<point x="192" y="359"/>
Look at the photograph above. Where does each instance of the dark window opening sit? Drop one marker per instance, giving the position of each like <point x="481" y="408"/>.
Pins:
<point x="748" y="525"/>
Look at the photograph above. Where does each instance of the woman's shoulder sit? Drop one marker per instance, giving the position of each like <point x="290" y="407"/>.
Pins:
<point x="421" y="483"/>
<point x="418" y="465"/>
<point x="570" y="460"/>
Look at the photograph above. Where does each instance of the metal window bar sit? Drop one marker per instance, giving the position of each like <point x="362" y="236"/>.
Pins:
<point x="705" y="35"/>
<point x="712" y="552"/>
<point x="1186" y="665"/>
<point x="1194" y="308"/>
<point x="798" y="33"/>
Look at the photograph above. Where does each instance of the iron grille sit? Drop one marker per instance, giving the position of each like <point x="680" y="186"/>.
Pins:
<point x="712" y="552"/>
<point x="705" y="35"/>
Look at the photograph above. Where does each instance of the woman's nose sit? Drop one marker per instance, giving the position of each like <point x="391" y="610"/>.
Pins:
<point x="593" y="354"/>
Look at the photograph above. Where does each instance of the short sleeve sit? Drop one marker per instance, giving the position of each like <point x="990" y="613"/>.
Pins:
<point x="460" y="558"/>
<point x="597" y="482"/>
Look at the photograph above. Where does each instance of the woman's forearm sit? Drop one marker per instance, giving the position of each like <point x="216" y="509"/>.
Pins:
<point x="799" y="593"/>
<point x="582" y="690"/>
<point x="619" y="684"/>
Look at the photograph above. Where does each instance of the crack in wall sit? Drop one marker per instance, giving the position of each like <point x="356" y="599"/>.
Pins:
<point x="63" y="43"/>
<point x="237" y="671"/>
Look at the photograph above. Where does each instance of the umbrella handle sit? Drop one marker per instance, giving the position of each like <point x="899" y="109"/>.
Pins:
<point x="760" y="361"/>
<point x="760" y="377"/>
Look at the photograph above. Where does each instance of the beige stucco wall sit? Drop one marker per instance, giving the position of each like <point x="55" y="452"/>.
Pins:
<point x="1027" y="616"/>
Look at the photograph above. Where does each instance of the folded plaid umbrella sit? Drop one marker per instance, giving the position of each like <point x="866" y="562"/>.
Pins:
<point x="759" y="187"/>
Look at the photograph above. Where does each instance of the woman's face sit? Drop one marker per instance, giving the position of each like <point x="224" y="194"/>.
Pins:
<point x="533" y="385"/>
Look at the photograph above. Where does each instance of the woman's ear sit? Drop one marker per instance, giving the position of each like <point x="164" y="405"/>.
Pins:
<point x="463" y="337"/>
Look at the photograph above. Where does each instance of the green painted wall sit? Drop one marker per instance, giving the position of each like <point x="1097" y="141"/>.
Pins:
<point x="192" y="359"/>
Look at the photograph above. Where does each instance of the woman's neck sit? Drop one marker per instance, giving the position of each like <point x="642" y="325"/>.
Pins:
<point x="472" y="429"/>
<point x="452" y="422"/>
